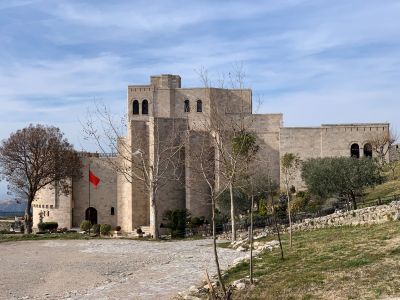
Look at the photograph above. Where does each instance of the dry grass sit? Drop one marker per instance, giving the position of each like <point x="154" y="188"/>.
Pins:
<point x="361" y="262"/>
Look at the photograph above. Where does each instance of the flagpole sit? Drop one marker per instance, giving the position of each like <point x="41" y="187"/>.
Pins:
<point x="89" y="197"/>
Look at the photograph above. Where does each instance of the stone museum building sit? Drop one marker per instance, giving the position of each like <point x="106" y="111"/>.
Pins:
<point x="157" y="109"/>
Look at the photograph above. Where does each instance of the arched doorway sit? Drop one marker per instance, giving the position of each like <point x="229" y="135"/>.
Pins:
<point x="91" y="215"/>
<point x="355" y="151"/>
<point x="368" y="150"/>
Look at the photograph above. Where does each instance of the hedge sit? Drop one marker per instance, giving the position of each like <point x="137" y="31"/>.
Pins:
<point x="48" y="226"/>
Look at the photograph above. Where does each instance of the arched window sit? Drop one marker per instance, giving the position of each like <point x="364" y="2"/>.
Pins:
<point x="135" y="107"/>
<point x="145" y="107"/>
<point x="112" y="211"/>
<point x="187" y="106"/>
<point x="355" y="151"/>
<point x="199" y="106"/>
<point x="368" y="150"/>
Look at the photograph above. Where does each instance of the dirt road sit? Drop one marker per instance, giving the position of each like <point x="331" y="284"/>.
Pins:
<point x="104" y="269"/>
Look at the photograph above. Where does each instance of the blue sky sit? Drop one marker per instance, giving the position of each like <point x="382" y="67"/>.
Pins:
<point x="315" y="61"/>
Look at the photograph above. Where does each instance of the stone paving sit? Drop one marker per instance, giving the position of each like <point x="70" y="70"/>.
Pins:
<point x="105" y="269"/>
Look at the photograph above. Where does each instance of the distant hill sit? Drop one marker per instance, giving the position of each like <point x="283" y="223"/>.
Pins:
<point x="12" y="206"/>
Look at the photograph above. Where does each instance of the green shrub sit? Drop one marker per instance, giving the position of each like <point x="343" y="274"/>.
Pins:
<point x="47" y="226"/>
<point x="96" y="228"/>
<point x="220" y="220"/>
<point x="241" y="201"/>
<point x="105" y="229"/>
<point x="41" y="227"/>
<point x="298" y="204"/>
<point x="50" y="226"/>
<point x="177" y="221"/>
<point x="85" y="225"/>
<point x="196" y="221"/>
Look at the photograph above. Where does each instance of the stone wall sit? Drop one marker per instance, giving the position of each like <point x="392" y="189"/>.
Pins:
<point x="55" y="207"/>
<point x="197" y="194"/>
<point x="171" y="194"/>
<point x="103" y="198"/>
<point x="394" y="153"/>
<point x="368" y="215"/>
<point x="326" y="141"/>
<point x="139" y="205"/>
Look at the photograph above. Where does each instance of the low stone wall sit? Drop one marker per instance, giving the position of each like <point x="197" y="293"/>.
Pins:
<point x="368" y="215"/>
<point x="5" y="224"/>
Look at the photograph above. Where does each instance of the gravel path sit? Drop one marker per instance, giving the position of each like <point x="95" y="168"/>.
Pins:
<point x="105" y="269"/>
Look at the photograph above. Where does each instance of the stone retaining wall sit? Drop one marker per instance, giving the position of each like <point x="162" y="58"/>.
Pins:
<point x="368" y="215"/>
<point x="5" y="224"/>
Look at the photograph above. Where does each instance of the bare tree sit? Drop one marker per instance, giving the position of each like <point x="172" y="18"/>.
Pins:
<point x="272" y="192"/>
<point x="154" y="160"/>
<point x="269" y="188"/>
<point x="381" y="143"/>
<point x="215" y="161"/>
<point x="392" y="167"/>
<point x="289" y="164"/>
<point x="229" y="128"/>
<point x="36" y="157"/>
<point x="204" y="165"/>
<point x="257" y="182"/>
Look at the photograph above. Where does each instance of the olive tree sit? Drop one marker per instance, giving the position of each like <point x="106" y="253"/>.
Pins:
<point x="341" y="176"/>
<point x="36" y="157"/>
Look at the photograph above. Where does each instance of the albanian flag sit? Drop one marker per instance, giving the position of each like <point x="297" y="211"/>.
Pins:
<point x="94" y="179"/>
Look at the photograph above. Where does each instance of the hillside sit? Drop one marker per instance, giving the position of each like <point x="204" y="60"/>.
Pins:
<point x="384" y="191"/>
<point x="360" y="262"/>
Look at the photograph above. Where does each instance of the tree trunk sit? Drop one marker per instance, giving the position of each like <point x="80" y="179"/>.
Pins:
<point x="353" y="200"/>
<point x="153" y="206"/>
<point x="276" y="225"/>
<point x="221" y="282"/>
<point x="233" y="222"/>
<point x="251" y="239"/>
<point x="153" y="214"/>
<point x="290" y="218"/>
<point x="28" y="217"/>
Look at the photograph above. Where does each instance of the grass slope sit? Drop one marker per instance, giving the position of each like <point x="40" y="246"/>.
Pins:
<point x="387" y="189"/>
<point x="334" y="263"/>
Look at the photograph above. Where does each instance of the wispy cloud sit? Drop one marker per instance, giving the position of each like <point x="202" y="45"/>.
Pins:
<point x="315" y="61"/>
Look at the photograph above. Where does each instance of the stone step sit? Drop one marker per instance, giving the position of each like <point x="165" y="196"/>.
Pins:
<point x="145" y="229"/>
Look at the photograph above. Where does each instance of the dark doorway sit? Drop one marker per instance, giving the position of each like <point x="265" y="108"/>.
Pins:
<point x="187" y="106"/>
<point x="368" y="150"/>
<point x="355" y="151"/>
<point x="91" y="215"/>
<point x="199" y="106"/>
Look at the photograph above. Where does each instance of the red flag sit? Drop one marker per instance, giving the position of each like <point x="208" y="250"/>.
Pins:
<point x="94" y="179"/>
